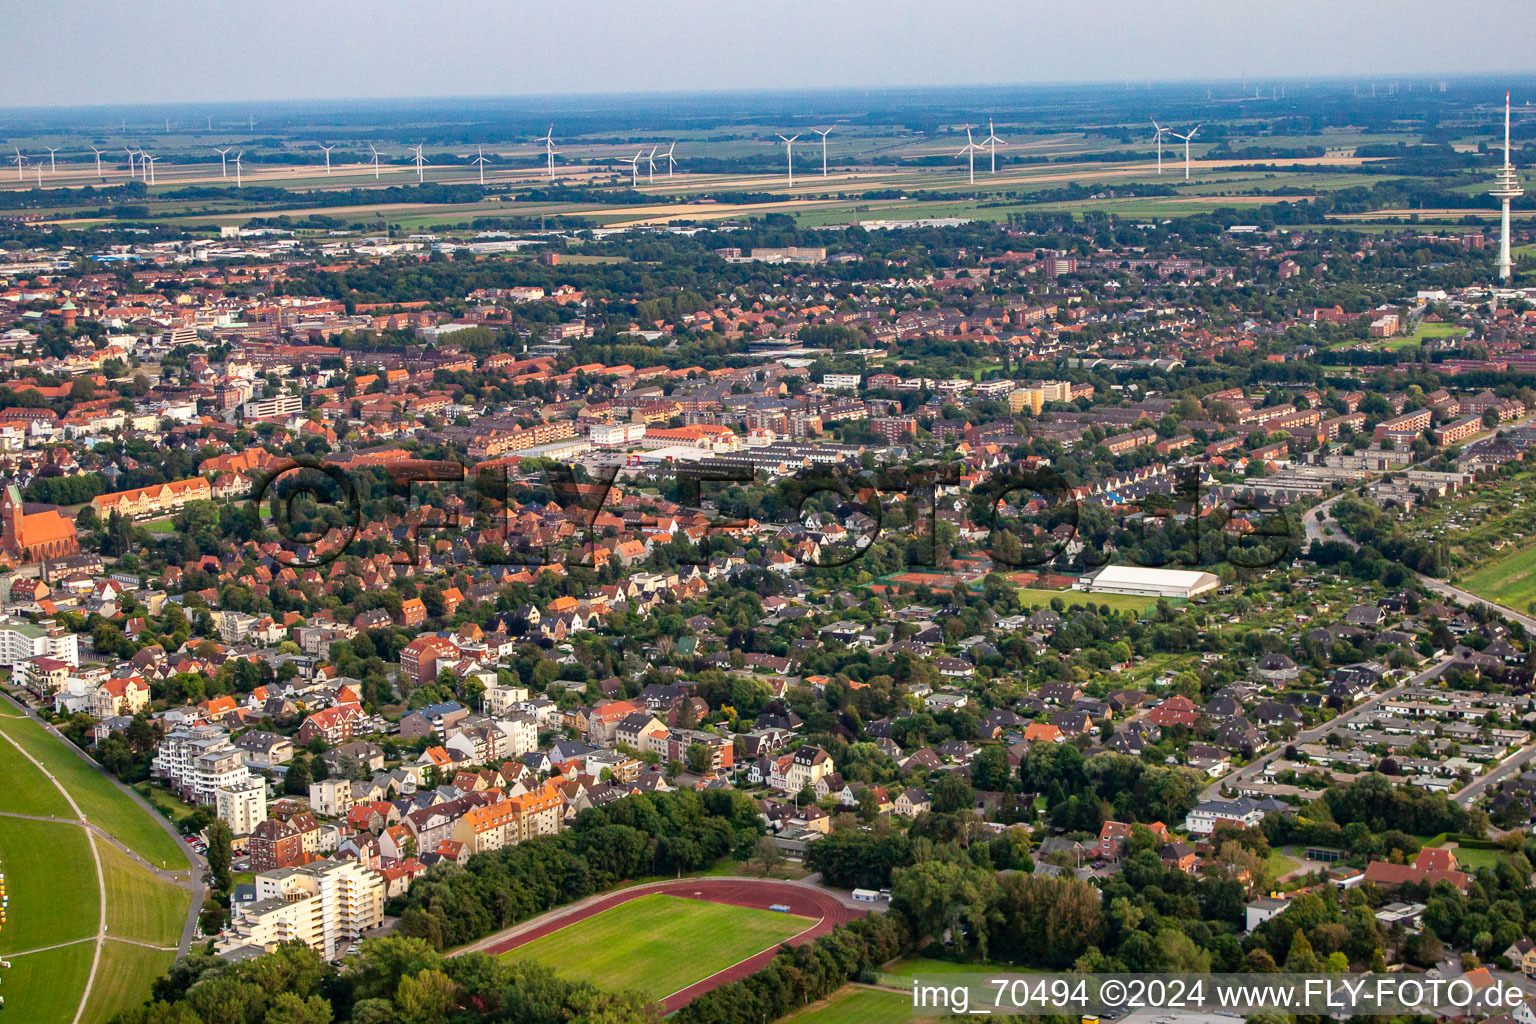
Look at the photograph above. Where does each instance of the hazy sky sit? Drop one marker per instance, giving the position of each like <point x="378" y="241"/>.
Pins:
<point x="113" y="51"/>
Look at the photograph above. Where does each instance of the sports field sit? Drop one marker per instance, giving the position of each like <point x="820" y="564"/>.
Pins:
<point x="1077" y="599"/>
<point x="660" y="944"/>
<point x="854" y="1005"/>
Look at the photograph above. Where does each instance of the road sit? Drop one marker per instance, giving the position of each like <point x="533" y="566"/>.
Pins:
<point x="1316" y="733"/>
<point x="1457" y="594"/>
<point x="1477" y="786"/>
<point x="1316" y="519"/>
<point x="1319" y="518"/>
<point x="192" y="879"/>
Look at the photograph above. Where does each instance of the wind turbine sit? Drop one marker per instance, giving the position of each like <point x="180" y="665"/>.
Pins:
<point x="992" y="142"/>
<point x="419" y="161"/>
<point x="634" y="169"/>
<point x="1186" y="139"/>
<point x="129" y="151"/>
<point x="238" y="183"/>
<point x="149" y="166"/>
<point x="548" y="138"/>
<point x="1161" y="131"/>
<point x="328" y="156"/>
<point x="223" y="162"/>
<point x="650" y="178"/>
<point x="375" y="161"/>
<point x="969" y="151"/>
<point x="53" y="168"/>
<point x="98" y="160"/>
<point x="671" y="160"/>
<point x="789" y="154"/>
<point x="481" y="162"/>
<point x="19" y="161"/>
<point x="823" y="132"/>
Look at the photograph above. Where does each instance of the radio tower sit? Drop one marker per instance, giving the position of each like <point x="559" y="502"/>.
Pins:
<point x="1506" y="185"/>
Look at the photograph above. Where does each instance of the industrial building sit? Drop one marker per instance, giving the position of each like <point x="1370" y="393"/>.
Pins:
<point x="1131" y="579"/>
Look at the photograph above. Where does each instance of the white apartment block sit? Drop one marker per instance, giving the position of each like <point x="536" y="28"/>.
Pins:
<point x="197" y="761"/>
<point x="275" y="405"/>
<point x="242" y="805"/>
<point x="22" y="641"/>
<point x="326" y="905"/>
<point x="841" y="381"/>
<point x="331" y="797"/>
<point x="501" y="700"/>
<point x="611" y="435"/>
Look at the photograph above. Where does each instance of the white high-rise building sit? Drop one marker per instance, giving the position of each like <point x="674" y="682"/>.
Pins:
<point x="242" y="805"/>
<point x="1506" y="186"/>
<point x="326" y="905"/>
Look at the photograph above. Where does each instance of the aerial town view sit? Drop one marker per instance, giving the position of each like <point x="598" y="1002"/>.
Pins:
<point x="836" y="513"/>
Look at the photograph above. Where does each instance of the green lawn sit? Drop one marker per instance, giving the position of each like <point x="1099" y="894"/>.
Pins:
<point x="139" y="905"/>
<point x="1077" y="599"/>
<point x="100" y="800"/>
<point x="910" y="967"/>
<point x="50" y="878"/>
<point x="1509" y="581"/>
<point x="44" y="988"/>
<point x="159" y="526"/>
<point x="853" y="1005"/>
<point x="123" y="979"/>
<point x="27" y="791"/>
<point x="1475" y="860"/>
<point x="166" y="802"/>
<point x="660" y="944"/>
<point x="1278" y="865"/>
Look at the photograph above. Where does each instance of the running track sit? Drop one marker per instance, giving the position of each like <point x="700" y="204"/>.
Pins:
<point x="802" y="900"/>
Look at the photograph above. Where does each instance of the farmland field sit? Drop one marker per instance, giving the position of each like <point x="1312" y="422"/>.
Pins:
<point x="1509" y="581"/>
<point x="659" y="944"/>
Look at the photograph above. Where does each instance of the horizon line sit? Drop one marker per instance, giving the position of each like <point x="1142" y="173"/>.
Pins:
<point x="1122" y="84"/>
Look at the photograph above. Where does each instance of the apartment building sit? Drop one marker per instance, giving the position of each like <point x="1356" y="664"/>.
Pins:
<point x="1034" y="396"/>
<point x="1407" y="426"/>
<point x="22" y="641"/>
<point x="242" y="805"/>
<point x="197" y="761"/>
<point x="274" y="405"/>
<point x="326" y="905"/>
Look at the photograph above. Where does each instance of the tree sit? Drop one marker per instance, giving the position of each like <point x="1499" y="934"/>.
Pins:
<point x="698" y="758"/>
<point x="296" y="783"/>
<point x="769" y="854"/>
<point x="220" y="840"/>
<point x="952" y="793"/>
<point x="1236" y="863"/>
<point x="949" y="900"/>
<point x="989" y="769"/>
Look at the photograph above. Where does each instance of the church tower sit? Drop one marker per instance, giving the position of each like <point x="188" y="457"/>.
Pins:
<point x="11" y="511"/>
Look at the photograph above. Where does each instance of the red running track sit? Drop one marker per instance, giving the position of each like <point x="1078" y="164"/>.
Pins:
<point x="801" y="900"/>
